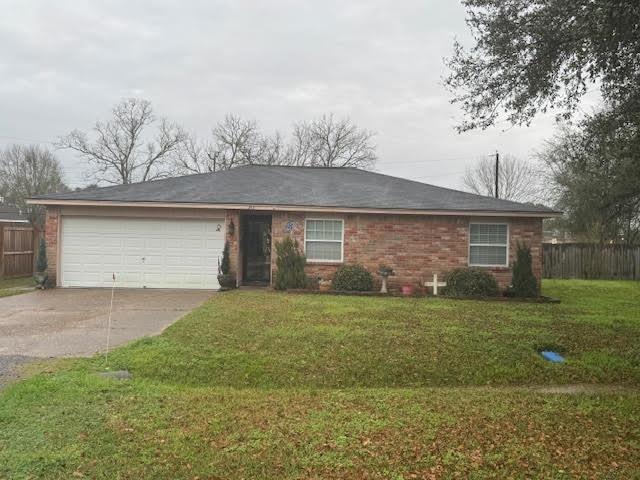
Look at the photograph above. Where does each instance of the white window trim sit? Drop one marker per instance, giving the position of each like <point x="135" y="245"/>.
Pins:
<point x="506" y="264"/>
<point x="341" y="241"/>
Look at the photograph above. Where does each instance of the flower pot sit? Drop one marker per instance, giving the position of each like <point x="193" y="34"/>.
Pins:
<point x="408" y="290"/>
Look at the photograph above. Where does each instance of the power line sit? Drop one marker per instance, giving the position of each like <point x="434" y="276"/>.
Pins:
<point x="419" y="162"/>
<point x="441" y="175"/>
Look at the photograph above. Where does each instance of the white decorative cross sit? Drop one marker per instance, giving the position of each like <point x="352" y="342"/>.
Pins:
<point x="435" y="284"/>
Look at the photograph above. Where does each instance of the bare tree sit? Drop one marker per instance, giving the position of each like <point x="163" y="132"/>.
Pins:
<point x="26" y="171"/>
<point x="194" y="156"/>
<point x="235" y="142"/>
<point x="324" y="142"/>
<point x="328" y="142"/>
<point x="273" y="151"/>
<point x="302" y="148"/>
<point x="122" y="151"/>
<point x="518" y="180"/>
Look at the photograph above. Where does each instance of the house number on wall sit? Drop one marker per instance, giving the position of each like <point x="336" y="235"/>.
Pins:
<point x="218" y="227"/>
<point x="290" y="226"/>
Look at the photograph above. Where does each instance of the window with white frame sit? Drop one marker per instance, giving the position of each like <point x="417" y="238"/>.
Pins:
<point x="488" y="244"/>
<point x="323" y="240"/>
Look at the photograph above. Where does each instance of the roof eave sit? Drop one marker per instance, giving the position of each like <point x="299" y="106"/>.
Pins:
<point x="306" y="208"/>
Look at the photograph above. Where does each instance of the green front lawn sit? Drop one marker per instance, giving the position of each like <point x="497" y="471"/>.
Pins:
<point x="267" y="385"/>
<point x="14" y="286"/>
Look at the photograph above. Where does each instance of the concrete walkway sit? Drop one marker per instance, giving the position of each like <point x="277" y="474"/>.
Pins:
<point x="72" y="322"/>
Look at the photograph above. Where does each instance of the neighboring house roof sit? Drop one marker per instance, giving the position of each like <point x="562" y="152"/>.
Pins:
<point x="279" y="186"/>
<point x="11" y="214"/>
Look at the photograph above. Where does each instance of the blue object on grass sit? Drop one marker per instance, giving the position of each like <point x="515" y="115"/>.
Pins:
<point x="552" y="356"/>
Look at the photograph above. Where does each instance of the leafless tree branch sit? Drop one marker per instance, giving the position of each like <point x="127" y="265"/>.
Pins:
<point x="120" y="152"/>
<point x="330" y="142"/>
<point x="26" y="171"/>
<point x="519" y="180"/>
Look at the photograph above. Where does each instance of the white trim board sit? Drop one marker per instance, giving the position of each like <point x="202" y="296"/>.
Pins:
<point x="295" y="208"/>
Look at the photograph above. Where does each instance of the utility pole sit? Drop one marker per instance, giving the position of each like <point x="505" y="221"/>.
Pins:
<point x="497" y="172"/>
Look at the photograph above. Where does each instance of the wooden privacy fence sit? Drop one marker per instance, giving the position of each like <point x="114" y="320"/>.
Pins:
<point x="584" y="260"/>
<point x="18" y="245"/>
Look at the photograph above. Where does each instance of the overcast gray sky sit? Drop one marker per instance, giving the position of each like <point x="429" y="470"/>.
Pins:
<point x="64" y="64"/>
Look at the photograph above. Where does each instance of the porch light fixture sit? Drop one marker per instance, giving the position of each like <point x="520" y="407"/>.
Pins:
<point x="232" y="228"/>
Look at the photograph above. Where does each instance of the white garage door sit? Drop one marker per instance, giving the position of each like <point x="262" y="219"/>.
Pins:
<point x="143" y="253"/>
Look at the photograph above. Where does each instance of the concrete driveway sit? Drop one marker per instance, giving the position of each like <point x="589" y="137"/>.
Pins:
<point x="72" y="322"/>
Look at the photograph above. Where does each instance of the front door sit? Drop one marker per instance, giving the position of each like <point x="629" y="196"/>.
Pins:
<point x="256" y="245"/>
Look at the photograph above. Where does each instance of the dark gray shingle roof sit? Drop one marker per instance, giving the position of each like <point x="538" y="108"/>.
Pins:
<point x="300" y="186"/>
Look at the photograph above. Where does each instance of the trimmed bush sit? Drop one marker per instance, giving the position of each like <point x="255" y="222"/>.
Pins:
<point x="290" y="263"/>
<point x="470" y="282"/>
<point x="352" y="278"/>
<point x="523" y="283"/>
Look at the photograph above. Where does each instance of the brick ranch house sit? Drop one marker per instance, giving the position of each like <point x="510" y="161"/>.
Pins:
<point x="170" y="233"/>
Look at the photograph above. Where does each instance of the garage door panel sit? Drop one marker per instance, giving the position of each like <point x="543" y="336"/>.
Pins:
<point x="154" y="260"/>
<point x="152" y="253"/>
<point x="133" y="242"/>
<point x="132" y="259"/>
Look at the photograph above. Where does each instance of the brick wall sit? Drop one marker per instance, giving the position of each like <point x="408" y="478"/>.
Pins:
<point x="51" y="239"/>
<point x="416" y="247"/>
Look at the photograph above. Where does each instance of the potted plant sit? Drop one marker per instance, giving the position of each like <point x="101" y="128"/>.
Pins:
<point x="385" y="272"/>
<point x="225" y="278"/>
<point x="41" y="265"/>
<point x="408" y="290"/>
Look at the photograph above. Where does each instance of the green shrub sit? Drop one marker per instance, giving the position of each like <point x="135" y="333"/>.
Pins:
<point x="41" y="264"/>
<point x="470" y="282"/>
<point x="352" y="278"/>
<point x="225" y="264"/>
<point x="290" y="263"/>
<point x="226" y="279"/>
<point x="523" y="283"/>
